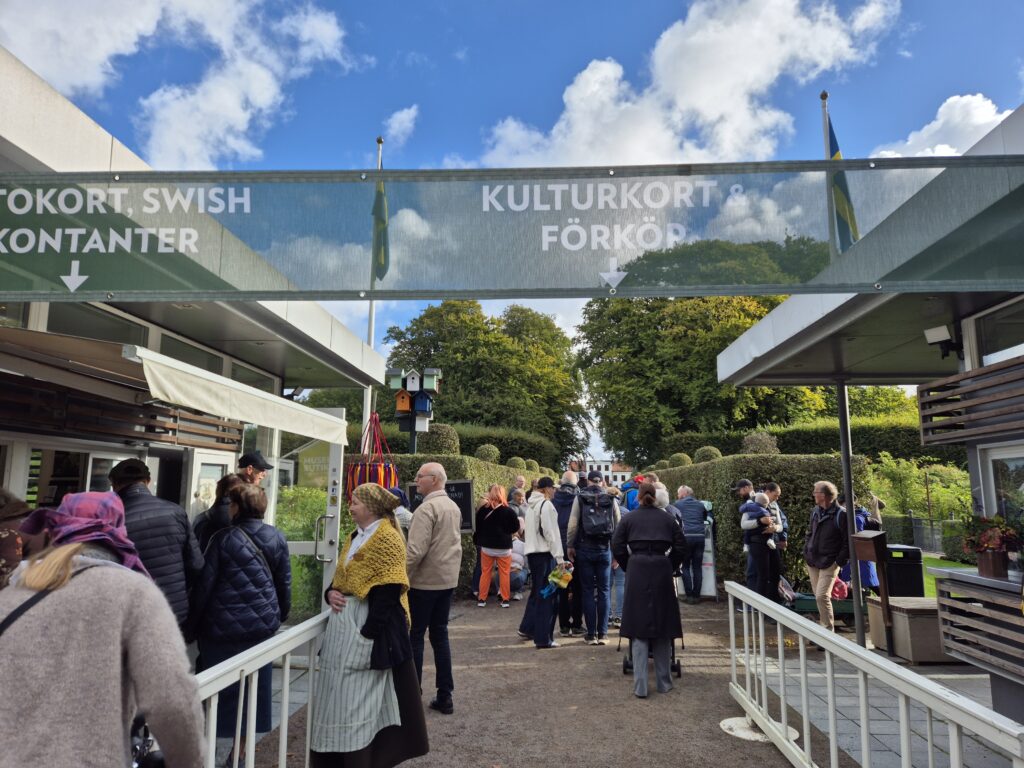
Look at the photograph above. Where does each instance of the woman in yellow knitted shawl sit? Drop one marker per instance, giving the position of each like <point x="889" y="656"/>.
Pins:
<point x="367" y="709"/>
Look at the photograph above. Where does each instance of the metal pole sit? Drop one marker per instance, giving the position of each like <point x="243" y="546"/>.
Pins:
<point x="368" y="392"/>
<point x="412" y="440"/>
<point x="851" y="517"/>
<point x="833" y="244"/>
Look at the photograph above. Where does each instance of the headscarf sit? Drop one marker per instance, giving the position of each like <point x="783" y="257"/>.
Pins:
<point x="379" y="500"/>
<point x="88" y="517"/>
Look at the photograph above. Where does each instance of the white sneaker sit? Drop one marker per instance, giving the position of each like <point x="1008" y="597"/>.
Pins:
<point x="482" y="604"/>
<point x="517" y="596"/>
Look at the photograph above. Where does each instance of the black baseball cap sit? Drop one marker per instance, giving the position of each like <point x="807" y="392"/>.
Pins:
<point x="742" y="483"/>
<point x="254" y="459"/>
<point x="545" y="482"/>
<point x="129" y="471"/>
<point x="594" y="475"/>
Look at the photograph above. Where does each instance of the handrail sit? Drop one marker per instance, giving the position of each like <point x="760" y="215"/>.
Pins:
<point x="961" y="712"/>
<point x="243" y="670"/>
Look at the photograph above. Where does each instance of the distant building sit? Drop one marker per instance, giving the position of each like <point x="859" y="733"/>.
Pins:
<point x="615" y="473"/>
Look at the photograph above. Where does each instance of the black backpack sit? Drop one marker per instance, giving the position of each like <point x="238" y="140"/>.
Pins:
<point x="597" y="515"/>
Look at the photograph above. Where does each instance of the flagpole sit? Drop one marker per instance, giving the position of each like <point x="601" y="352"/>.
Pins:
<point x="371" y="317"/>
<point x="833" y="245"/>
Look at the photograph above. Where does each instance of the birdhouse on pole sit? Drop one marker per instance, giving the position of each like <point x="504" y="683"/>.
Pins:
<point x="431" y="380"/>
<point x="412" y="382"/>
<point x="403" y="402"/>
<point x="423" y="404"/>
<point x="394" y="376"/>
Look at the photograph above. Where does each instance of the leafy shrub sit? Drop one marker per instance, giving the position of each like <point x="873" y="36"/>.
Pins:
<point x="516" y="462"/>
<point x="679" y="460"/>
<point x="706" y="453"/>
<point x="899" y="529"/>
<point x="660" y="465"/>
<point x="442" y="438"/>
<point x="712" y="480"/>
<point x="953" y="543"/>
<point x="929" y="490"/>
<point x="532" y="465"/>
<point x="488" y="452"/>
<point x="760" y="443"/>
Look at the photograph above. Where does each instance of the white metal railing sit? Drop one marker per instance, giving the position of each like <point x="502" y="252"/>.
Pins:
<point x="243" y="670"/>
<point x="961" y="714"/>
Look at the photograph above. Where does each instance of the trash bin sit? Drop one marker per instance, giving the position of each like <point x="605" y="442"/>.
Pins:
<point x="905" y="569"/>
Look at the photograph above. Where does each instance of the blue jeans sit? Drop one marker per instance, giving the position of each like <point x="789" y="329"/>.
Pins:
<point x="693" y="566"/>
<point x="751" y="573"/>
<point x="517" y="580"/>
<point x="540" y="614"/>
<point x="428" y="609"/>
<point x="595" y="573"/>
<point x="618" y="590"/>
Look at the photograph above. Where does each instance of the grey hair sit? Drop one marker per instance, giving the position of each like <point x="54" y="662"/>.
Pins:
<point x="761" y="499"/>
<point x="661" y="499"/>
<point x="570" y="478"/>
<point x="683" y="491"/>
<point x="441" y="474"/>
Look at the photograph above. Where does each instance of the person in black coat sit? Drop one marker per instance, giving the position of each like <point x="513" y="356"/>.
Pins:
<point x="218" y="516"/>
<point x="160" y="531"/>
<point x="242" y="598"/>
<point x="649" y="544"/>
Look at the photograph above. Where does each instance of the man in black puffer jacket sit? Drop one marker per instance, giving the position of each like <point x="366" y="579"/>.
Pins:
<point x="162" y="535"/>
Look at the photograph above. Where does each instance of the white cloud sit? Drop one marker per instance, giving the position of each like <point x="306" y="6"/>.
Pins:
<point x="711" y="78"/>
<point x="461" y="54"/>
<point x="959" y="123"/>
<point x="455" y="161"/>
<point x="399" y="127"/>
<point x="258" y="49"/>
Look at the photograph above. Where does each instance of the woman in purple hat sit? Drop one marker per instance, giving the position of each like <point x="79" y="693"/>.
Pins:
<point x="86" y="632"/>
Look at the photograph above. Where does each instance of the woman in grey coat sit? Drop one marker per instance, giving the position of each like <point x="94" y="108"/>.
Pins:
<point x="649" y="544"/>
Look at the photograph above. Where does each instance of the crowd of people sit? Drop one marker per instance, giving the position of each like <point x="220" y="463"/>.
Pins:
<point x="128" y="577"/>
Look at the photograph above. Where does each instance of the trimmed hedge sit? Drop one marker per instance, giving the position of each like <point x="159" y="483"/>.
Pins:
<point x="870" y="436"/>
<point x="706" y="453"/>
<point x="442" y="438"/>
<point x="679" y="460"/>
<point x="488" y="453"/>
<point x="760" y="442"/>
<point x="516" y="462"/>
<point x="532" y="465"/>
<point x="510" y="442"/>
<point x="711" y="480"/>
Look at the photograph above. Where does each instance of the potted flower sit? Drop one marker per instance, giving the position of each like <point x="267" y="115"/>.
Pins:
<point x="992" y="538"/>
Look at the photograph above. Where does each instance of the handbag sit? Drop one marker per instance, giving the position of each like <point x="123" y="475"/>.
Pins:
<point x="143" y="753"/>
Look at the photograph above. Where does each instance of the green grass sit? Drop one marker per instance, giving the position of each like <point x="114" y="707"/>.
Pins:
<point x="936" y="562"/>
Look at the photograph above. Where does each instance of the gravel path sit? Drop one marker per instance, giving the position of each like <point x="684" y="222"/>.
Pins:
<point x="572" y="706"/>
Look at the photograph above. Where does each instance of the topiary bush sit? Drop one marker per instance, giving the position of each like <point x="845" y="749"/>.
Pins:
<point x="510" y="442"/>
<point x="532" y="465"/>
<point x="760" y="443"/>
<point x="488" y="452"/>
<point x="706" y="453"/>
<point x="442" y="438"/>
<point x="659" y="465"/>
<point x="679" y="460"/>
<point x="516" y="462"/>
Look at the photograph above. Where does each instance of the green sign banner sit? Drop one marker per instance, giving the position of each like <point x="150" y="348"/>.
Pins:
<point x="764" y="228"/>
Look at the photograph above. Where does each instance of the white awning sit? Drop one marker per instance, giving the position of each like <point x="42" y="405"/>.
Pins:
<point x="176" y="382"/>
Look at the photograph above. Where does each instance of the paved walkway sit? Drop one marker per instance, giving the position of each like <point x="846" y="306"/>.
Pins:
<point x="516" y="706"/>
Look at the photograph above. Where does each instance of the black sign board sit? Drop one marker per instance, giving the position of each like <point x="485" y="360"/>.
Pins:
<point x="459" y="491"/>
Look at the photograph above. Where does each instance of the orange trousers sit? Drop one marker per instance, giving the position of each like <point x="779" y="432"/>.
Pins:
<point x="504" y="569"/>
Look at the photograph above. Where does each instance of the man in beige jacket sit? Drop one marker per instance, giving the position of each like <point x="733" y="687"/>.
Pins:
<point x="433" y="558"/>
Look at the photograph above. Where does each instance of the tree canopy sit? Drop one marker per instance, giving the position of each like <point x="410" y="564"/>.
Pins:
<point x="650" y="370"/>
<point x="514" y="371"/>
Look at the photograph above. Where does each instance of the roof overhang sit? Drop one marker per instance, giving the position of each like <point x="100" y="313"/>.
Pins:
<point x="136" y="375"/>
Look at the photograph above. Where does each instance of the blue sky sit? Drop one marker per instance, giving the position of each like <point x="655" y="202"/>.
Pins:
<point x="254" y="84"/>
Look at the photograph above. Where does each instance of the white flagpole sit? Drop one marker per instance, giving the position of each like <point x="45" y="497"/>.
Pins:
<point x="368" y="392"/>
<point x="833" y="245"/>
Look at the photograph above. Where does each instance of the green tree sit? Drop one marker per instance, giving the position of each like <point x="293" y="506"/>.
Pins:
<point x="873" y="401"/>
<point x="514" y="371"/>
<point x="650" y="367"/>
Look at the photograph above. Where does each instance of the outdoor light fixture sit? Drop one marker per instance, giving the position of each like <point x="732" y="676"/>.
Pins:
<point x="940" y="335"/>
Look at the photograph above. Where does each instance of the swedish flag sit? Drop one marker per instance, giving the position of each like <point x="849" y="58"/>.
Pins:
<point x="381" y="258"/>
<point x="846" y="219"/>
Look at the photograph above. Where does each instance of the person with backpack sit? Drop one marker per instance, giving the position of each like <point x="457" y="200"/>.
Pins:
<point x="826" y="548"/>
<point x="570" y="601"/>
<point x="595" y="514"/>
